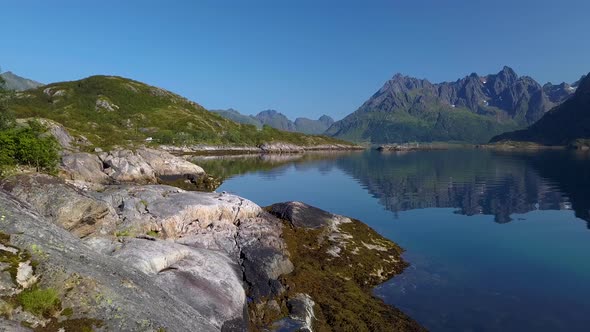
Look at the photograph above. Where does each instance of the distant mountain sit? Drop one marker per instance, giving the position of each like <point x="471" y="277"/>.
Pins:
<point x="280" y="121"/>
<point x="563" y="124"/>
<point x="239" y="117"/>
<point x="472" y="109"/>
<point x="276" y="120"/>
<point x="313" y="127"/>
<point x="17" y="83"/>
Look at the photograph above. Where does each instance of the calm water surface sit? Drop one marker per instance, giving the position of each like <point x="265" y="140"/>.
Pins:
<point x="496" y="241"/>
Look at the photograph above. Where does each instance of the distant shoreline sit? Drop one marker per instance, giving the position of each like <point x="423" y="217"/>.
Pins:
<point x="272" y="148"/>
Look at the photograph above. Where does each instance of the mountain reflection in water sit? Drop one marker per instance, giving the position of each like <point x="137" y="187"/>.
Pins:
<point x="473" y="181"/>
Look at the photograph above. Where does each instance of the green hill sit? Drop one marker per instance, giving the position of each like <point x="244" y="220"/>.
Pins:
<point x="110" y="110"/>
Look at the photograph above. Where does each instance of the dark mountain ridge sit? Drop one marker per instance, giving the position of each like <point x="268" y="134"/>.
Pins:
<point x="472" y="109"/>
<point x="562" y="125"/>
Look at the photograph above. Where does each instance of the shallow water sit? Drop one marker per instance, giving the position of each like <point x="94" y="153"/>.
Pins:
<point x="496" y="241"/>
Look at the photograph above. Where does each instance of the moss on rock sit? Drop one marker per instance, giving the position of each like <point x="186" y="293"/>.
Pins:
<point x="338" y="265"/>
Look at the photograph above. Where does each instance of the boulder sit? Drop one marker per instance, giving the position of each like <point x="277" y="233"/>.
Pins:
<point x="83" y="167"/>
<point x="163" y="163"/>
<point x="127" y="166"/>
<point x="302" y="215"/>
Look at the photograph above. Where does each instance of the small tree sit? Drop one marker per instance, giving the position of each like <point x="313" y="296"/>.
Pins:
<point x="35" y="148"/>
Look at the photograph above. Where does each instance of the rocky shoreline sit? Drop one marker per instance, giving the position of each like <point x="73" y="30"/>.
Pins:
<point x="105" y="246"/>
<point x="518" y="146"/>
<point x="401" y="147"/>
<point x="271" y="148"/>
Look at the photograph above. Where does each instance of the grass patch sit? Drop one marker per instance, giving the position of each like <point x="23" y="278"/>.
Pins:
<point x="68" y="312"/>
<point x="153" y="233"/>
<point x="123" y="233"/>
<point x="40" y="302"/>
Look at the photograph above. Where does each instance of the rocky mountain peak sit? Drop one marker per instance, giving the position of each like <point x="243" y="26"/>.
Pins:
<point x="508" y="72"/>
<point x="584" y="86"/>
<point x="407" y="108"/>
<point x="327" y="120"/>
<point x="398" y="76"/>
<point x="17" y="83"/>
<point x="270" y="112"/>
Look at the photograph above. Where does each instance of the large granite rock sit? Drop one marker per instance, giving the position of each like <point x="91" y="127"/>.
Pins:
<point x="163" y="163"/>
<point x="83" y="167"/>
<point x="214" y="221"/>
<point x="209" y="281"/>
<point x="219" y="246"/>
<point x="142" y="286"/>
<point x="143" y="166"/>
<point x="63" y="204"/>
<point x="127" y="166"/>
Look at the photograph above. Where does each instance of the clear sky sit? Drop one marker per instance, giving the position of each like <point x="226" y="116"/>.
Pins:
<point x="303" y="58"/>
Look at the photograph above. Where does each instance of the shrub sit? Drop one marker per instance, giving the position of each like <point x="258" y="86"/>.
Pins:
<point x="28" y="146"/>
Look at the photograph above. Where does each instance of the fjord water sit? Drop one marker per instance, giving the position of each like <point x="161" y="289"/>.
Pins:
<point x="497" y="241"/>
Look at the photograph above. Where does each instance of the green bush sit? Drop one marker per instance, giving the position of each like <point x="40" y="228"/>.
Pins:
<point x="30" y="146"/>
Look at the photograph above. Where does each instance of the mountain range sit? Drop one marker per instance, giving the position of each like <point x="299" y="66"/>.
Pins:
<point x="17" y="83"/>
<point x="562" y="125"/>
<point x="472" y="109"/>
<point x="500" y="107"/>
<point x="280" y="121"/>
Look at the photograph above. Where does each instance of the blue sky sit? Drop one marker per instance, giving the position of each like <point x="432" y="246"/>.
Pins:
<point x="303" y="58"/>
